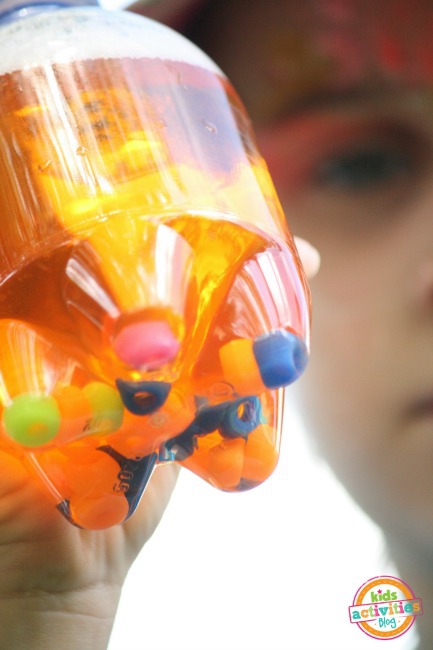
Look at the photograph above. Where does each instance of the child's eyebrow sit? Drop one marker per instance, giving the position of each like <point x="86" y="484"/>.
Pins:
<point x="335" y="98"/>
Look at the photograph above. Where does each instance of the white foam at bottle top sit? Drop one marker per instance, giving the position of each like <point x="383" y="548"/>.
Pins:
<point x="76" y="34"/>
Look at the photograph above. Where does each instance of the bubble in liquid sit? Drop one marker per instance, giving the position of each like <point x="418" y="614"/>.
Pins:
<point x="42" y="167"/>
<point x="209" y="126"/>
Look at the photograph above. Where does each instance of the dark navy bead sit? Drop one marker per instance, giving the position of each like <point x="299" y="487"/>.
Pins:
<point x="208" y="418"/>
<point x="281" y="357"/>
<point x="143" y="397"/>
<point x="183" y="445"/>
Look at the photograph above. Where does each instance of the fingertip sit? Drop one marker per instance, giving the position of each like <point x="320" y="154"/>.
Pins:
<point x="310" y="257"/>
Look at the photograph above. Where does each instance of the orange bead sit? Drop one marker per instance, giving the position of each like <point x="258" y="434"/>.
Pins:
<point x="99" y="512"/>
<point x="240" y="367"/>
<point x="93" y="474"/>
<point x="75" y="410"/>
<point x="81" y="451"/>
<point x="225" y="464"/>
<point x="129" y="443"/>
<point x="140" y="435"/>
<point x="172" y="418"/>
<point x="261" y="454"/>
<point x="198" y="462"/>
<point x="92" y="479"/>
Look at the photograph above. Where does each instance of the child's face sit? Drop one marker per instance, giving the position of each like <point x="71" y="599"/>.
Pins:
<point x="341" y="92"/>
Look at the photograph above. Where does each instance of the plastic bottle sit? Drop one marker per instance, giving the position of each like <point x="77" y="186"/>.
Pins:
<point x="152" y="304"/>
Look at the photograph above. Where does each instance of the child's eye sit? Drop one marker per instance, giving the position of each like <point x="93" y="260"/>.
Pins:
<point x="364" y="169"/>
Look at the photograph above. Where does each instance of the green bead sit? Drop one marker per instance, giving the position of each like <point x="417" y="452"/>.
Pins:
<point x="106" y="405"/>
<point x="32" y="420"/>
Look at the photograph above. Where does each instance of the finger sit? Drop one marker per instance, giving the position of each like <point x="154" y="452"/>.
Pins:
<point x="310" y="257"/>
<point x="141" y="526"/>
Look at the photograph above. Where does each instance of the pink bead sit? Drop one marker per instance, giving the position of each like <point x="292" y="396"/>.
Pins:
<point x="148" y="344"/>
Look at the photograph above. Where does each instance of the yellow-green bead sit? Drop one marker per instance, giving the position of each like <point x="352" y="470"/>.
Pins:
<point x="32" y="420"/>
<point x="106" y="405"/>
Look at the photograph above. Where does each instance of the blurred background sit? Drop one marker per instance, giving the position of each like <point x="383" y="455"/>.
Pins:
<point x="275" y="568"/>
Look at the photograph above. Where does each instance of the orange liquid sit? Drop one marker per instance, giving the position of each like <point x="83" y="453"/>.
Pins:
<point x="132" y="191"/>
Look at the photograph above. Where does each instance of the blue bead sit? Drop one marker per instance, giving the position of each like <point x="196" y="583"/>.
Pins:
<point x="241" y="418"/>
<point x="281" y="357"/>
<point x="143" y="397"/>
